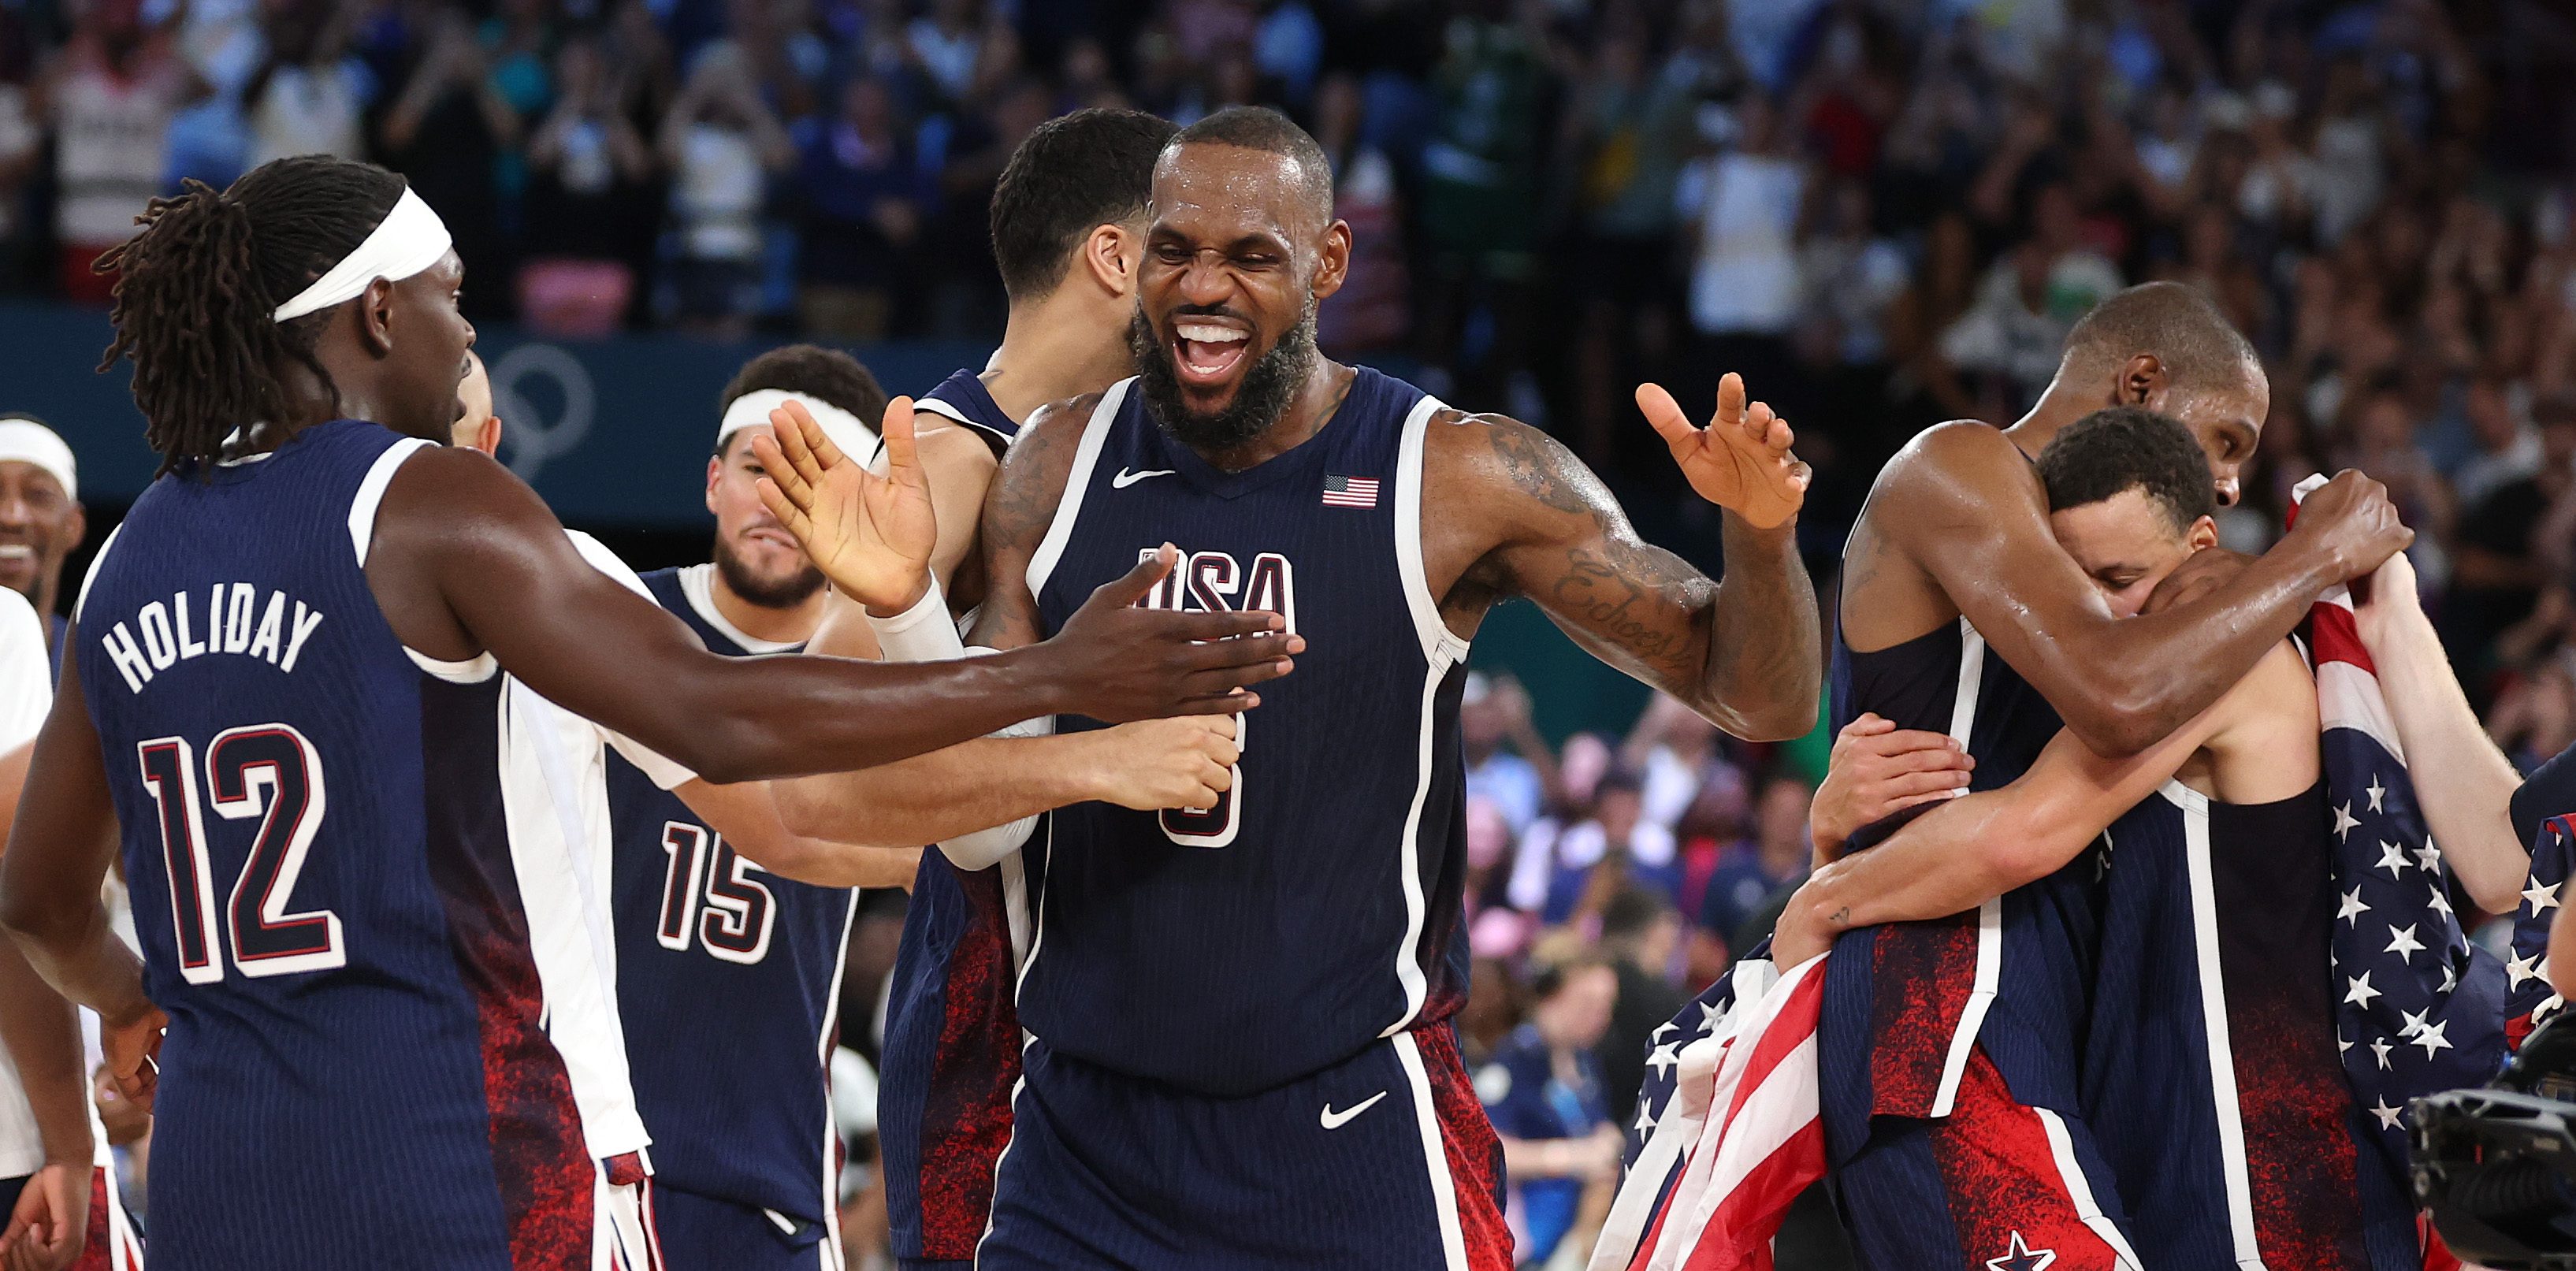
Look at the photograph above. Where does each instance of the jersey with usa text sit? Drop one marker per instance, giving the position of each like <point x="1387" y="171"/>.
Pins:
<point x="1906" y="1002"/>
<point x="952" y="1037"/>
<point x="727" y="980"/>
<point x="1315" y="909"/>
<point x="314" y="829"/>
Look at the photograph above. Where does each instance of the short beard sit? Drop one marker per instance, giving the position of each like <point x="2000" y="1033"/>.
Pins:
<point x="1259" y="400"/>
<point x="766" y="593"/>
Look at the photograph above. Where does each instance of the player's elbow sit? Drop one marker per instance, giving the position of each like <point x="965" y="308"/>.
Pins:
<point x="802" y="808"/>
<point x="2117" y="721"/>
<point x="2028" y="845"/>
<point x="1783" y="717"/>
<point x="35" y="919"/>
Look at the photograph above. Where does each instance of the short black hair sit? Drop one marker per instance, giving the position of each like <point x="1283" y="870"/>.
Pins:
<point x="2201" y="349"/>
<point x="810" y="370"/>
<point x="1087" y="169"/>
<point x="1631" y="912"/>
<point x="2129" y="448"/>
<point x="1266" y="130"/>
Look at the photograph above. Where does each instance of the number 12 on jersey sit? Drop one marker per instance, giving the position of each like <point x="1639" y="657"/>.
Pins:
<point x="268" y="773"/>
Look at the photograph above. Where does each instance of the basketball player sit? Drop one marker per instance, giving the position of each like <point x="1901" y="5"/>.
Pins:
<point x="1242" y="1053"/>
<point x="41" y="518"/>
<point x="54" y="1166"/>
<point x="1943" y="1043"/>
<point x="1068" y="227"/>
<point x="372" y="968"/>
<point x="2242" y="790"/>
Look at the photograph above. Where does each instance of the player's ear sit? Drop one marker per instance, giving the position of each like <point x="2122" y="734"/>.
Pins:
<point x="2142" y="380"/>
<point x="1333" y="263"/>
<point x="2204" y="534"/>
<point x="1110" y="254"/>
<point x="715" y="473"/>
<point x="488" y="439"/>
<point x="376" y="317"/>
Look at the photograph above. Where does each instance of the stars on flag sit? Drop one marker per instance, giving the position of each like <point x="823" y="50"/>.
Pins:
<point x="2431" y="1039"/>
<point x="2344" y="824"/>
<point x="2517" y="970"/>
<point x="2376" y="792"/>
<point x="2388" y="1116"/>
<point x="2402" y="942"/>
<point x="2351" y="909"/>
<point x="2542" y="897"/>
<point x="2358" y="990"/>
<point x="2391" y="858"/>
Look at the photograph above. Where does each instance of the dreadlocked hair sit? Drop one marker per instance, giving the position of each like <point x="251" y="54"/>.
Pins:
<point x="196" y="286"/>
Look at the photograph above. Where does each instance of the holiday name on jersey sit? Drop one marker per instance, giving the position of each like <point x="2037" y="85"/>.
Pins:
<point x="236" y="622"/>
<point x="1211" y="581"/>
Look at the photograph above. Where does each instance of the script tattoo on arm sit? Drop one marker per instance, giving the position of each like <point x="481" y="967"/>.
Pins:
<point x="1747" y="652"/>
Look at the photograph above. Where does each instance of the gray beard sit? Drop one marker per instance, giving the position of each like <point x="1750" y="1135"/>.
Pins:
<point x="1258" y="403"/>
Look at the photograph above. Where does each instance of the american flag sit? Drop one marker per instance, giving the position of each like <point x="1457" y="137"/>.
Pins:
<point x="1349" y="492"/>
<point x="2406" y="1028"/>
<point x="1728" y="1128"/>
<point x="2529" y="1001"/>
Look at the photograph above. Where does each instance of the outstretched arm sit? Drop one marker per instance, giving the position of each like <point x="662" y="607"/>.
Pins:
<point x="1964" y="505"/>
<point x="2463" y="782"/>
<point x="1746" y="652"/>
<point x="461" y="545"/>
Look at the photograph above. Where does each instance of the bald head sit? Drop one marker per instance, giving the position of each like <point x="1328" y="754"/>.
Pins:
<point x="1266" y="130"/>
<point x="2201" y="351"/>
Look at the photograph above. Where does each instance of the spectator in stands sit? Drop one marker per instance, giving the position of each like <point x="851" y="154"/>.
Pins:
<point x="308" y="96"/>
<point x="1494" y="713"/>
<point x="591" y="200"/>
<point x="1749" y="874"/>
<point x="1616" y="848"/>
<point x="720" y="143"/>
<point x="22" y="144"/>
<point x="1480" y="201"/>
<point x="1744" y="275"/>
<point x="446" y="131"/>
<point x="865" y="195"/>
<point x="110" y="98"/>
<point x="1543" y="1090"/>
<point x="1371" y="313"/>
<point x="1672" y="750"/>
<point x="1641" y="935"/>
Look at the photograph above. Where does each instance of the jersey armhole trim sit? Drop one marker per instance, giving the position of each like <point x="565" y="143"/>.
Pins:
<point x="371" y="493"/>
<point x="473" y="670"/>
<point x="1438" y="641"/>
<point x="1068" y="507"/>
<point x="97" y="562"/>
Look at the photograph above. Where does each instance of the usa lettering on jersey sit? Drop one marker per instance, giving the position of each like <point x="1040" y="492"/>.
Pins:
<point x="1214" y="582"/>
<point x="169" y="631"/>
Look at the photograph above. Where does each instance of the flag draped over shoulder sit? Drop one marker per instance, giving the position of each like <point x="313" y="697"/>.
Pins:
<point x="2529" y="1001"/>
<point x="1728" y="1128"/>
<point x="2418" y="1009"/>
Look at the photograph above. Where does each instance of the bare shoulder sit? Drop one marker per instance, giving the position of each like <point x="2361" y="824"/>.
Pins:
<point x="1031" y="481"/>
<point x="1475" y="457"/>
<point x="1946" y="459"/>
<point x="452" y="493"/>
<point x="955" y="446"/>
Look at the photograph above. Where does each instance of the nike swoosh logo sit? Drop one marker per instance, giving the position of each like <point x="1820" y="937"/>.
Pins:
<point x="1336" y="1120"/>
<point x="1125" y="478"/>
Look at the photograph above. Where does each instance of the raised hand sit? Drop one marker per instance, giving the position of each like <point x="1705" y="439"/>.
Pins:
<point x="1184" y="762"/>
<point x="50" y="1222"/>
<point x="1741" y="461"/>
<point x="1115" y="662"/>
<point x="1877" y="771"/>
<point x="871" y="535"/>
<point x="2351" y="520"/>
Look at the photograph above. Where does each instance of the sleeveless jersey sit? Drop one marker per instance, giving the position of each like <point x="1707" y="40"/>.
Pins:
<point x="1316" y="909"/>
<point x="727" y="979"/>
<point x="314" y="829"/>
<point x="1905" y="1003"/>
<point x="2213" y="1082"/>
<point x="952" y="1037"/>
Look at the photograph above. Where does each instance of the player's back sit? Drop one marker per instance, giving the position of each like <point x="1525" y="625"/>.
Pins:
<point x="1315" y="909"/>
<point x="728" y="978"/>
<point x="1905" y="1002"/>
<point x="952" y="1047"/>
<point x="355" y="1073"/>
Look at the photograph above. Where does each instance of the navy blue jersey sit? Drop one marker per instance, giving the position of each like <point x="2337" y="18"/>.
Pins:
<point x="355" y="1072"/>
<point x="727" y="977"/>
<point x="1904" y="1003"/>
<point x="1316" y="908"/>
<point x="952" y="1047"/>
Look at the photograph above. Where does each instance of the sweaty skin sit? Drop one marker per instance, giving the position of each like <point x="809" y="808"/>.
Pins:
<point x="460" y="547"/>
<point x="1958" y="526"/>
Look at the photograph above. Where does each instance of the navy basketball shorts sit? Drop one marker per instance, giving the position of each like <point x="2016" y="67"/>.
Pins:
<point x="1384" y="1160"/>
<point x="705" y="1233"/>
<point x="1994" y="1184"/>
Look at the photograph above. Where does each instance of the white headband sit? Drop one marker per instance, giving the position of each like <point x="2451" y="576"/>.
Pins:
<point x="751" y="410"/>
<point x="410" y="239"/>
<point x="26" y="441"/>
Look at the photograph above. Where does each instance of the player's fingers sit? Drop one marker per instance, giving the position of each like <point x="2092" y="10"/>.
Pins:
<point x="784" y="508"/>
<point x="1221" y="749"/>
<point x="793" y="428"/>
<point x="1219" y="680"/>
<point x="1757" y="423"/>
<point x="1936" y="781"/>
<point x="1730" y="401"/>
<point x="1666" y="415"/>
<point x="903" y="456"/>
<point x="1245" y="652"/>
<point x="1868" y="725"/>
<point x="1217" y="777"/>
<point x="1125" y="591"/>
<point x="1895" y="806"/>
<point x="1801" y="476"/>
<point x="775" y="465"/>
<point x="1933" y="757"/>
<point x="1780" y="437"/>
<point x="1228" y="703"/>
<point x="1226" y="625"/>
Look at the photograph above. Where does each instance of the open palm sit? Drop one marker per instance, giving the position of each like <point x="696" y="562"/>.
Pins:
<point x="1741" y="461"/>
<point x="871" y="535"/>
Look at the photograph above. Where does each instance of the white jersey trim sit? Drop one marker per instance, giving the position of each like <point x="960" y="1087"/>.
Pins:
<point x="1068" y="508"/>
<point x="81" y="601"/>
<point x="1437" y="639"/>
<point x="1990" y="915"/>
<point x="2070" y="1172"/>
<point x="1410" y="975"/>
<point x="697" y="586"/>
<point x="371" y="493"/>
<point x="2213" y="1022"/>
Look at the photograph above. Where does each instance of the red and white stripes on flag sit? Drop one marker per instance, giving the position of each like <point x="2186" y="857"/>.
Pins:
<point x="1744" y="1129"/>
<point x="1349" y="492"/>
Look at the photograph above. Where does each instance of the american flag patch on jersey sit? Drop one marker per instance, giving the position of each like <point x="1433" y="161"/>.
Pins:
<point x="1349" y="492"/>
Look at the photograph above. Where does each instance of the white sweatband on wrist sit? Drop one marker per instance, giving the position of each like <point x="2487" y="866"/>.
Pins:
<point x="410" y="239"/>
<point x="985" y="847"/>
<point x="922" y="633"/>
<point x="856" y="439"/>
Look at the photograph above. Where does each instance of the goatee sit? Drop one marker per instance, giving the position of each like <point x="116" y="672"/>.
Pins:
<point x="1258" y="402"/>
<point x="763" y="591"/>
